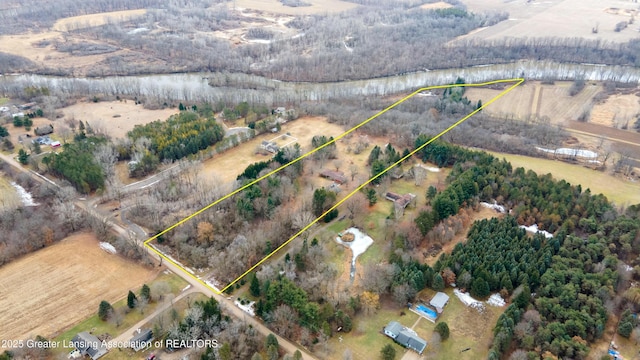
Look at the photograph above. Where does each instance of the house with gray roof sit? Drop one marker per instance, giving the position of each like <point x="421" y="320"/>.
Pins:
<point x="88" y="344"/>
<point x="439" y="301"/>
<point x="141" y="340"/>
<point x="409" y="339"/>
<point x="393" y="329"/>
<point x="405" y="337"/>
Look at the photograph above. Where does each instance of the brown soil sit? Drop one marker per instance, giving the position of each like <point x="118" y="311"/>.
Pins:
<point x="347" y="237"/>
<point x="54" y="288"/>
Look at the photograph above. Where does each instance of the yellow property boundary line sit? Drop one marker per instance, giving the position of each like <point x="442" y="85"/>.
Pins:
<point x="517" y="82"/>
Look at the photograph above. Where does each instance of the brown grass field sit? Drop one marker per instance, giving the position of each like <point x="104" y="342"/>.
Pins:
<point x="91" y="20"/>
<point x="616" y="111"/>
<point x="534" y="98"/>
<point x="52" y="289"/>
<point x="8" y="196"/>
<point x="554" y="18"/>
<point x="101" y="114"/>
<point x="228" y="165"/>
<point x="275" y="6"/>
<point x="620" y="191"/>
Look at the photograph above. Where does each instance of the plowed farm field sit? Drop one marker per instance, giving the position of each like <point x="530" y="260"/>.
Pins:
<point x="54" y="288"/>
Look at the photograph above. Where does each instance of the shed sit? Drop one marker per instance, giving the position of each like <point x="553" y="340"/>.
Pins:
<point x="439" y="301"/>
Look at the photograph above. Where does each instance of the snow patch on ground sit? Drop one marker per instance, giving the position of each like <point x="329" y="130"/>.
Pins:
<point x="571" y="152"/>
<point x="534" y="229"/>
<point x="25" y="196"/>
<point x="496" y="300"/>
<point x="468" y="300"/>
<point x="248" y="308"/>
<point x="494" y="206"/>
<point x="107" y="247"/>
<point x="359" y="245"/>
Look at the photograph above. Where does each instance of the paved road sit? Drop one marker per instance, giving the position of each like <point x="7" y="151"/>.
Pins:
<point x="228" y="305"/>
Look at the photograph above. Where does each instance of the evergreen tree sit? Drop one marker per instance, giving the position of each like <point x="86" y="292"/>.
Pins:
<point x="371" y="196"/>
<point x="438" y="282"/>
<point x="254" y="288"/>
<point x="479" y="288"/>
<point x="23" y="157"/>
<point x="3" y="131"/>
<point x="145" y="292"/>
<point x="131" y="300"/>
<point x="104" y="309"/>
<point x="443" y="329"/>
<point x="271" y="340"/>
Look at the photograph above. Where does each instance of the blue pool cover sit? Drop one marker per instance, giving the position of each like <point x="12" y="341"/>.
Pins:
<point x="427" y="311"/>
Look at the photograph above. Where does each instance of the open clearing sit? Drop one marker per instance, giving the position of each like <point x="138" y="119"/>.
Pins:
<point x="619" y="191"/>
<point x="554" y="18"/>
<point x="535" y="99"/>
<point x="229" y="164"/>
<point x="91" y="20"/>
<point x="275" y="6"/>
<point x="116" y="117"/>
<point x="54" y="288"/>
<point x="8" y="196"/>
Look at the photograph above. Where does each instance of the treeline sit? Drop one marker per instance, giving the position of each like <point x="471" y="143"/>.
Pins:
<point x="29" y="228"/>
<point x="181" y="135"/>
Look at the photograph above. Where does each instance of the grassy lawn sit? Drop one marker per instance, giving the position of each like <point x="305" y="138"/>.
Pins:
<point x="468" y="328"/>
<point x="366" y="339"/>
<point x="620" y="191"/>
<point x="99" y="327"/>
<point x="3" y="100"/>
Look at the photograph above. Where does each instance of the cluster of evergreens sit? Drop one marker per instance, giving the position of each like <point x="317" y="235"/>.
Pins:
<point x="77" y="165"/>
<point x="574" y="274"/>
<point x="181" y="135"/>
<point x="499" y="255"/>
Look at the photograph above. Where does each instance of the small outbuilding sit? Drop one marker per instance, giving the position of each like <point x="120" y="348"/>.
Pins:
<point x="439" y="301"/>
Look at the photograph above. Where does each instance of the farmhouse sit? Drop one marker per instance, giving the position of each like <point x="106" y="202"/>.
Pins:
<point x="88" y="344"/>
<point x="336" y="176"/>
<point x="142" y="340"/>
<point x="439" y="301"/>
<point x="43" y="130"/>
<point x="405" y="337"/>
